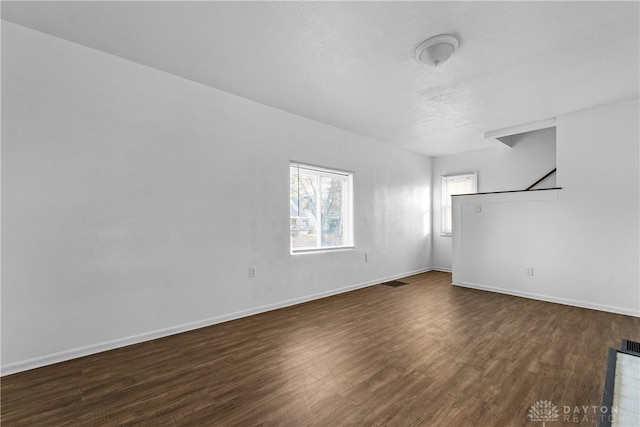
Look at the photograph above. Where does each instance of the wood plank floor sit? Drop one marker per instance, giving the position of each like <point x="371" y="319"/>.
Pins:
<point x="423" y="354"/>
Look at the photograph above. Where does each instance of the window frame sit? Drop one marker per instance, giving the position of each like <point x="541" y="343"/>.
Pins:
<point x="347" y="209"/>
<point x="446" y="204"/>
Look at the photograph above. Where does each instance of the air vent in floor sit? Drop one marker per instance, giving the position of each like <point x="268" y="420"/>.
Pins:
<point x="395" y="283"/>
<point x="631" y="346"/>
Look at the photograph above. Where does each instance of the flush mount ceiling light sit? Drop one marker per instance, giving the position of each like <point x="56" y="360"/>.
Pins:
<point x="436" y="50"/>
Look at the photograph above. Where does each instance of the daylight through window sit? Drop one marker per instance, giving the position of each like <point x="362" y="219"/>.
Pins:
<point x="455" y="184"/>
<point x="321" y="208"/>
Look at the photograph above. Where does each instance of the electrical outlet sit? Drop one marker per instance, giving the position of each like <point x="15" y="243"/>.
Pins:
<point x="528" y="271"/>
<point x="252" y="272"/>
<point x="367" y="257"/>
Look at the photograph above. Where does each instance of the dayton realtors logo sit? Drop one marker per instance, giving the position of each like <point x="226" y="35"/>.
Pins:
<point x="543" y="410"/>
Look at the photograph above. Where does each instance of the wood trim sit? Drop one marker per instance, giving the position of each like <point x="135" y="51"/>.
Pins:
<point x="547" y="298"/>
<point x="49" y="359"/>
<point x="510" y="191"/>
<point x="375" y="356"/>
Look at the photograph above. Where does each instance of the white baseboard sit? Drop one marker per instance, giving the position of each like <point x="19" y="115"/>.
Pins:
<point x="49" y="359"/>
<point x="442" y="269"/>
<point x="547" y="298"/>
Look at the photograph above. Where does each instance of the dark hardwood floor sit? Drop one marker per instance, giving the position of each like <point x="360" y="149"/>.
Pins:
<point x="423" y="354"/>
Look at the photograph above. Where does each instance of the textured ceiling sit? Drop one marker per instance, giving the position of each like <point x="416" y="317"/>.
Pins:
<point x="351" y="64"/>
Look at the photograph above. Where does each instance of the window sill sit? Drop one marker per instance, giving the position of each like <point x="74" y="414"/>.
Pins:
<point x="321" y="250"/>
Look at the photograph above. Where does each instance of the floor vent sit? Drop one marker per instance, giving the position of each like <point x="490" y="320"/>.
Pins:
<point x="395" y="283"/>
<point x="631" y="346"/>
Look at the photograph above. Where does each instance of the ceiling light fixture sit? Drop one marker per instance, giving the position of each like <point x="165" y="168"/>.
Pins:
<point x="436" y="50"/>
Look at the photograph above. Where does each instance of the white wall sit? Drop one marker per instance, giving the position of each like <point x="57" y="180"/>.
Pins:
<point x="135" y="201"/>
<point x="598" y="159"/>
<point x="499" y="169"/>
<point x="582" y="241"/>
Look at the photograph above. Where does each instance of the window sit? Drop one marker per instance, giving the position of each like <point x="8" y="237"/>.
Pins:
<point x="321" y="208"/>
<point x="455" y="184"/>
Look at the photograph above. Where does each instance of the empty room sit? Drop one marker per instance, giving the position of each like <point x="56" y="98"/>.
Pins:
<point x="320" y="213"/>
